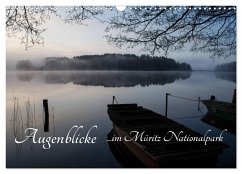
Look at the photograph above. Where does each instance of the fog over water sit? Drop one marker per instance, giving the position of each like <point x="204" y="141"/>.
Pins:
<point x="82" y="97"/>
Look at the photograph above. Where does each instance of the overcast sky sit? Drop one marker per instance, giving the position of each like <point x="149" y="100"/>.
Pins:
<point x="62" y="39"/>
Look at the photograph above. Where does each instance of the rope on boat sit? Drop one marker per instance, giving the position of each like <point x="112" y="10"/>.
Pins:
<point x="178" y="118"/>
<point x="200" y="110"/>
<point x="184" y="98"/>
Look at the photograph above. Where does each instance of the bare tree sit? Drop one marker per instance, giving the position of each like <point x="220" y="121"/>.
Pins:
<point x="28" y="21"/>
<point x="206" y="29"/>
<point x="211" y="29"/>
<point x="78" y="14"/>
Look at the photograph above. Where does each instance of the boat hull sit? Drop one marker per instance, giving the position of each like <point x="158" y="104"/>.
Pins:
<point x="220" y="114"/>
<point x="160" y="153"/>
<point x="223" y="110"/>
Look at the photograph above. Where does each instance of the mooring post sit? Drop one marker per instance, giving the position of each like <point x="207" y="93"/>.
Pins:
<point x="167" y="94"/>
<point x="46" y="112"/>
<point x="234" y="97"/>
<point x="198" y="105"/>
<point x="114" y="100"/>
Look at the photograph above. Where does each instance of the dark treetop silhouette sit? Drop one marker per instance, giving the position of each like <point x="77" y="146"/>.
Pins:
<point x="28" y="21"/>
<point x="207" y="29"/>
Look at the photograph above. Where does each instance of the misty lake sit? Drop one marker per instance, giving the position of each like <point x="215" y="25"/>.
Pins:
<point x="81" y="98"/>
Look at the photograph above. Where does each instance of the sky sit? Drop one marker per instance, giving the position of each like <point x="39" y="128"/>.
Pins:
<point x="63" y="39"/>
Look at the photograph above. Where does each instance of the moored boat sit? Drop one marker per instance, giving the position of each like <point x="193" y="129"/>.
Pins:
<point x="131" y="121"/>
<point x="221" y="114"/>
<point x="222" y="111"/>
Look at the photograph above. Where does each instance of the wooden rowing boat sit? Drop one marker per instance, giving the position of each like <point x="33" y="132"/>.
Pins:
<point x="220" y="114"/>
<point x="223" y="111"/>
<point x="130" y="117"/>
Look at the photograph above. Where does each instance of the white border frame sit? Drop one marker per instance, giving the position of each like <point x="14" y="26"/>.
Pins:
<point x="111" y="3"/>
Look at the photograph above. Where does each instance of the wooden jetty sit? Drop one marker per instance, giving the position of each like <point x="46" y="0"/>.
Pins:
<point x="130" y="117"/>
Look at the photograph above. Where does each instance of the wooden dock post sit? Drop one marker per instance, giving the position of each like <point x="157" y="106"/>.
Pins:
<point x="46" y="112"/>
<point x="198" y="105"/>
<point x="167" y="94"/>
<point x="114" y="100"/>
<point x="234" y="97"/>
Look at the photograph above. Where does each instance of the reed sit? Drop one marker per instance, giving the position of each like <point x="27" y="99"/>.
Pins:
<point x="30" y="115"/>
<point x="53" y="119"/>
<point x="17" y="124"/>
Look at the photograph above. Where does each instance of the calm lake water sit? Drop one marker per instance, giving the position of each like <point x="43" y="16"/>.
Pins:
<point x="81" y="98"/>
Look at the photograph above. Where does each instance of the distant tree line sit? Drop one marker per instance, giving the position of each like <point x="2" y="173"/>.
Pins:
<point x="125" y="62"/>
<point x="25" y="65"/>
<point x="226" y="67"/>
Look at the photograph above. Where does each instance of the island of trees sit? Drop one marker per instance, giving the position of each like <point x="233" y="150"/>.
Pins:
<point x="226" y="67"/>
<point x="124" y="62"/>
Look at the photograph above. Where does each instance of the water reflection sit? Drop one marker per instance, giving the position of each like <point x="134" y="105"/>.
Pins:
<point x="229" y="76"/>
<point x="218" y="123"/>
<point x="108" y="79"/>
<point x="122" y="154"/>
<point x="76" y="104"/>
<point x="26" y="77"/>
<point x="23" y="118"/>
